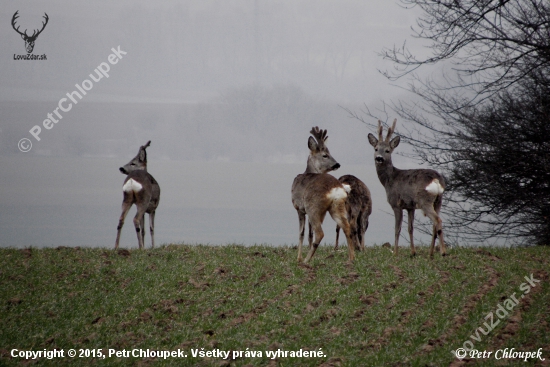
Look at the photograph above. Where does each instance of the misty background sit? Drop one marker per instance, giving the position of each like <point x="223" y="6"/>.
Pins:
<point x="227" y="92"/>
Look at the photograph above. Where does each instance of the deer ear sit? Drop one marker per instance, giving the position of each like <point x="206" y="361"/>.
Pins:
<point x="142" y="155"/>
<point x="312" y="144"/>
<point x="395" y="142"/>
<point x="372" y="140"/>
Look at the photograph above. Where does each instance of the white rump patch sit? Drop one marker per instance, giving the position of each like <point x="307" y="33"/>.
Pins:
<point x="435" y="187"/>
<point x="347" y="188"/>
<point x="337" y="193"/>
<point x="132" y="186"/>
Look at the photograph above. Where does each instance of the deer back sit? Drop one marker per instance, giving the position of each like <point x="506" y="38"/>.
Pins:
<point x="316" y="191"/>
<point x="359" y="199"/>
<point x="411" y="189"/>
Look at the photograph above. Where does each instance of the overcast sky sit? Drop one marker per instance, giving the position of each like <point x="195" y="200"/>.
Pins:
<point x="206" y="81"/>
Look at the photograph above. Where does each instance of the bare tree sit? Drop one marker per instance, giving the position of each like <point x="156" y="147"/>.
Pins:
<point x="492" y="44"/>
<point x="486" y="123"/>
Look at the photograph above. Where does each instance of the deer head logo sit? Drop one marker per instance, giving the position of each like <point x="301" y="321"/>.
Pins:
<point x="29" y="40"/>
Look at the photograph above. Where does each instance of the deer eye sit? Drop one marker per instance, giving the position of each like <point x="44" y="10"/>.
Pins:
<point x="325" y="156"/>
<point x="132" y="164"/>
<point x="387" y="150"/>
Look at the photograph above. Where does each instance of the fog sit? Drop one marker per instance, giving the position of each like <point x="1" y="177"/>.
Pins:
<point x="227" y="92"/>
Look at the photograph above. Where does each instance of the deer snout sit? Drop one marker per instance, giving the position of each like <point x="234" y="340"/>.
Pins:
<point x="335" y="167"/>
<point x="379" y="159"/>
<point x="122" y="170"/>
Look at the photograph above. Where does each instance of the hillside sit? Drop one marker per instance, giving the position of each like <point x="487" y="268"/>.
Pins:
<point x="260" y="308"/>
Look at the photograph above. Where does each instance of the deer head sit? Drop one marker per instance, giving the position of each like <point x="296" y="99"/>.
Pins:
<point x="384" y="148"/>
<point x="29" y="40"/>
<point x="319" y="160"/>
<point x="138" y="163"/>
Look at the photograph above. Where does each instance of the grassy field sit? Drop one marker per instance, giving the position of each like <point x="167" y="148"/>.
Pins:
<point x="379" y="311"/>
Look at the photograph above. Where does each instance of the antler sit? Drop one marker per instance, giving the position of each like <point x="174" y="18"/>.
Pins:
<point x="35" y="34"/>
<point x="380" y="130"/>
<point x="319" y="134"/>
<point x="13" y="19"/>
<point x="390" y="130"/>
<point x="36" y="31"/>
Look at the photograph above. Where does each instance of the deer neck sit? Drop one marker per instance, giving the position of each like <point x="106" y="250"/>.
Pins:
<point x="386" y="172"/>
<point x="311" y="167"/>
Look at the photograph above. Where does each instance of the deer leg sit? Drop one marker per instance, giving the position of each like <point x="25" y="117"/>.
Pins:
<point x="352" y="223"/>
<point x="350" y="239"/>
<point x="411" y="222"/>
<point x="142" y="226"/>
<point x="316" y="219"/>
<point x="365" y="227"/>
<point x="137" y="224"/>
<point x="360" y="245"/>
<point x="126" y="205"/>
<point x="432" y="244"/>
<point x="437" y="231"/>
<point x="152" y="228"/>
<point x="318" y="237"/>
<point x="338" y="213"/>
<point x="442" y="248"/>
<point x="302" y="221"/>
<point x="398" y="220"/>
<point x="310" y="234"/>
<point x="337" y="235"/>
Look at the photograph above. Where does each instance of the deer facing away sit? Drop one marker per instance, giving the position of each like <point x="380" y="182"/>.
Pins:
<point x="408" y="189"/>
<point x="142" y="189"/>
<point x="315" y="192"/>
<point x="359" y="208"/>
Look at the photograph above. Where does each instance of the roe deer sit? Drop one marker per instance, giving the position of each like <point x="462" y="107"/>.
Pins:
<point x="408" y="189"/>
<point x="315" y="192"/>
<point x="142" y="189"/>
<point x="359" y="208"/>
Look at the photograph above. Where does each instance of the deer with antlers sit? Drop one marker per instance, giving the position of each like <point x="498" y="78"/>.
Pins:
<point x="29" y="40"/>
<point x="315" y="192"/>
<point x="408" y="189"/>
<point x="142" y="189"/>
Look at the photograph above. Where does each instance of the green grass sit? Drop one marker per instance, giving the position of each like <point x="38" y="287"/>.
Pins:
<point x="381" y="310"/>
